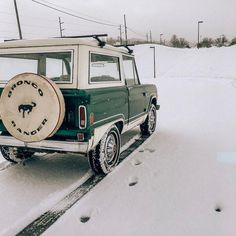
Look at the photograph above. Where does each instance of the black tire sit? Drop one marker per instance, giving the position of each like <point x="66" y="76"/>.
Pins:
<point x="105" y="156"/>
<point x="15" y="154"/>
<point x="149" y="125"/>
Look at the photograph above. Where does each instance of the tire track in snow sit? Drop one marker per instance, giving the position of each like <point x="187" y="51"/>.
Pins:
<point x="43" y="222"/>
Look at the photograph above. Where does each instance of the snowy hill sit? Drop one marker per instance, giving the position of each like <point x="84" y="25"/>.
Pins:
<point x="181" y="182"/>
<point x="197" y="63"/>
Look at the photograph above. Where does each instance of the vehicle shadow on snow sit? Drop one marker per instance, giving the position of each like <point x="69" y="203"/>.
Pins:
<point x="49" y="173"/>
<point x="55" y="165"/>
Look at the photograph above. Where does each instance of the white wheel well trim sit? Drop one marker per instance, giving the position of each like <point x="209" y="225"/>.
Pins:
<point x="101" y="130"/>
<point x="151" y="99"/>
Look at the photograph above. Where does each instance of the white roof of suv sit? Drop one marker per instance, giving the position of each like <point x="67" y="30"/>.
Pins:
<point x="56" y="42"/>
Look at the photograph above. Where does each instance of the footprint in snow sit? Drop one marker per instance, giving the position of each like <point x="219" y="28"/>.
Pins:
<point x="133" y="181"/>
<point x="137" y="162"/>
<point x="84" y="218"/>
<point x="233" y="84"/>
<point x="147" y="149"/>
<point x="218" y="209"/>
<point x="86" y="215"/>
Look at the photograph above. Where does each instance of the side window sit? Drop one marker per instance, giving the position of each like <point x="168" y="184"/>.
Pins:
<point x="104" y="68"/>
<point x="131" y="77"/>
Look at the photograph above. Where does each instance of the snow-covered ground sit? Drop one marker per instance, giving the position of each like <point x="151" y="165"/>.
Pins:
<point x="181" y="182"/>
<point x="186" y="170"/>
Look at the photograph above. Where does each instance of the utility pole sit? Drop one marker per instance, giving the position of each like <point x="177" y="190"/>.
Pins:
<point x="160" y="39"/>
<point x="120" y="35"/>
<point x="154" y="61"/>
<point x="18" y="20"/>
<point x="147" y="37"/>
<point x="60" y="25"/>
<point x="61" y="30"/>
<point x="198" y="35"/>
<point x="150" y="36"/>
<point x="126" y="36"/>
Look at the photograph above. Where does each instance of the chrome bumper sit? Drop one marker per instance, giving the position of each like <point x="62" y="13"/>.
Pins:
<point x="52" y="145"/>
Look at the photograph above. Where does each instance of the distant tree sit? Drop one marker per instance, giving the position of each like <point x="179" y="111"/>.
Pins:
<point x="174" y="41"/>
<point x="113" y="41"/>
<point x="233" y="42"/>
<point x="224" y="40"/>
<point x="219" y="42"/>
<point x="207" y="42"/>
<point x="183" y="43"/>
<point x="178" y="42"/>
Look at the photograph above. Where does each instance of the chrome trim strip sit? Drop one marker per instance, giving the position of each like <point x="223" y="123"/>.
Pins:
<point x="65" y="146"/>
<point x="110" y="117"/>
<point x="138" y="116"/>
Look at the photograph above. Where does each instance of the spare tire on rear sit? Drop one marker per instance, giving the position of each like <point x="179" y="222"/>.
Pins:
<point x="32" y="107"/>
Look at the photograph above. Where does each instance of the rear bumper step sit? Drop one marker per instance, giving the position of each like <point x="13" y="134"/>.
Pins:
<point x="52" y="145"/>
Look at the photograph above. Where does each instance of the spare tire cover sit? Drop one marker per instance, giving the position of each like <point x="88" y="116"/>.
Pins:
<point x="32" y="107"/>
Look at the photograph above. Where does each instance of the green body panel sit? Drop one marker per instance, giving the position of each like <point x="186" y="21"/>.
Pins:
<point x="151" y="92"/>
<point x="137" y="101"/>
<point x="107" y="105"/>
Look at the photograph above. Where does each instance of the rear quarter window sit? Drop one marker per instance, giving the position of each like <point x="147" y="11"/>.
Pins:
<point x="104" y="68"/>
<point x="131" y="77"/>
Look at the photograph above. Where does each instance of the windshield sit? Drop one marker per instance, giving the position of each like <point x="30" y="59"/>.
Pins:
<point x="56" y="66"/>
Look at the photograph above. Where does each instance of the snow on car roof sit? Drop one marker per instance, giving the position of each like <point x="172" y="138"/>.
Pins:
<point x="55" y="42"/>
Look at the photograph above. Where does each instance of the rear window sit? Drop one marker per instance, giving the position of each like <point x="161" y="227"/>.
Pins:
<point x="104" y="68"/>
<point x="56" y="66"/>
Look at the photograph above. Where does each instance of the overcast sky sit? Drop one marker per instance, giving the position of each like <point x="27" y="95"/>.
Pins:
<point x="165" y="17"/>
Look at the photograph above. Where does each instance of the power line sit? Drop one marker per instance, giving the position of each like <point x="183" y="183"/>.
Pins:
<point x="26" y="15"/>
<point x="139" y="34"/>
<point x="6" y="13"/>
<point x="7" y="31"/>
<point x="8" y="23"/>
<point x="73" y="15"/>
<point x="38" y="18"/>
<point x="77" y="12"/>
<point x="38" y="26"/>
<point x="59" y="9"/>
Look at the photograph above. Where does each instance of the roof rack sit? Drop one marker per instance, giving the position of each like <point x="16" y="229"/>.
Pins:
<point x="127" y="46"/>
<point x="95" y="36"/>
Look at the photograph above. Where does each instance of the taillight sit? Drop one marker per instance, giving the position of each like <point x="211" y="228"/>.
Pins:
<point x="82" y="117"/>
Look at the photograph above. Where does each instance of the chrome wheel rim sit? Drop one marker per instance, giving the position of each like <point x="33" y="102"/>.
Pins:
<point x="152" y="119"/>
<point x="111" y="148"/>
